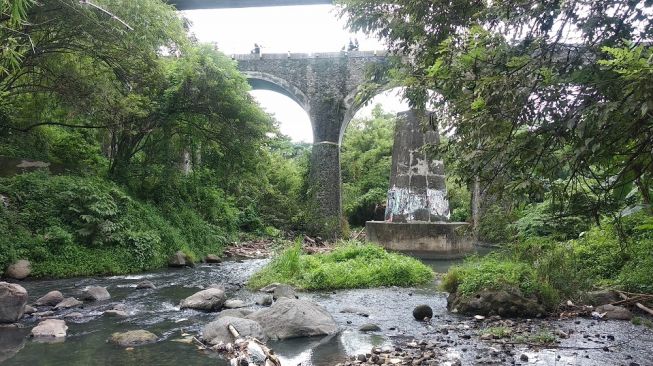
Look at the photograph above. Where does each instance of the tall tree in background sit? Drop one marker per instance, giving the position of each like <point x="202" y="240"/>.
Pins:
<point x="543" y="95"/>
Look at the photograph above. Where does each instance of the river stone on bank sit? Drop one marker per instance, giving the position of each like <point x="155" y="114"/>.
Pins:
<point x="52" y="298"/>
<point x="506" y="303"/>
<point x="217" y="331"/>
<point x="283" y="290"/>
<point x="50" y="328"/>
<point x="95" y="293"/>
<point x="293" y="318"/>
<point x="179" y="259"/>
<point x="210" y="299"/>
<point x="133" y="338"/>
<point x="13" y="298"/>
<point x="19" y="270"/>
<point x="613" y="312"/>
<point x="212" y="258"/>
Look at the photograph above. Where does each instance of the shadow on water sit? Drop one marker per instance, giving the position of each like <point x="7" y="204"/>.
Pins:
<point x="443" y="265"/>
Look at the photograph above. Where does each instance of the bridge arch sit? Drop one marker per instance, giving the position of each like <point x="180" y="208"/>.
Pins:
<point x="264" y="81"/>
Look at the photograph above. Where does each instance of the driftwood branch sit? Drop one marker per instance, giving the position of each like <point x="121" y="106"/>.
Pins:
<point x="638" y="304"/>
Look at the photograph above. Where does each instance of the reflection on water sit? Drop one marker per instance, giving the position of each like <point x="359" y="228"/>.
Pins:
<point x="443" y="265"/>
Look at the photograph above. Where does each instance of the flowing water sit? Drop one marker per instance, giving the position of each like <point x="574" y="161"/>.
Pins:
<point x="157" y="310"/>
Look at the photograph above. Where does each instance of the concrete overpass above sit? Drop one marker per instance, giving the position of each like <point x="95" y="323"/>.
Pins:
<point x="224" y="4"/>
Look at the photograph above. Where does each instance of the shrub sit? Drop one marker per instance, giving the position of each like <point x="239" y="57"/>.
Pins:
<point x="350" y="265"/>
<point x="495" y="273"/>
<point x="73" y="226"/>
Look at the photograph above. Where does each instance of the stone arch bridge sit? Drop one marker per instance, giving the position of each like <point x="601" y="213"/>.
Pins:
<point x="326" y="86"/>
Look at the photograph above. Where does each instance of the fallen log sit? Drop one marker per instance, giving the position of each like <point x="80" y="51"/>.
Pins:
<point x="638" y="304"/>
<point x="250" y="351"/>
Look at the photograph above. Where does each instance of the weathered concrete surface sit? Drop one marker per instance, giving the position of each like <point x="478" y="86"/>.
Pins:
<point x="429" y="240"/>
<point x="326" y="86"/>
<point x="417" y="183"/>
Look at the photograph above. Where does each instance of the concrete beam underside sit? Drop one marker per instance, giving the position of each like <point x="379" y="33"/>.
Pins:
<point x="225" y="4"/>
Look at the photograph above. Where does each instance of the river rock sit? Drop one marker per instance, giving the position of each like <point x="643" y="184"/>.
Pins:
<point x="133" y="338"/>
<point x="283" y="290"/>
<point x="116" y="313"/>
<point x="422" y="311"/>
<point x="210" y="299"/>
<point x="179" y="259"/>
<point x="505" y="303"/>
<point x="234" y="304"/>
<point x="614" y="312"/>
<point x="67" y="303"/>
<point x="95" y="293"/>
<point x="19" y="270"/>
<point x="145" y="285"/>
<point x="212" y="258"/>
<point x="217" y="331"/>
<point x="236" y="313"/>
<point x="74" y="315"/>
<point x="29" y="310"/>
<point x="50" y="328"/>
<point x="13" y="298"/>
<point x="52" y="298"/>
<point x="264" y="300"/>
<point x="270" y="288"/>
<point x="293" y="318"/>
<point x="369" y="327"/>
<point x="601" y="297"/>
<point x="12" y="340"/>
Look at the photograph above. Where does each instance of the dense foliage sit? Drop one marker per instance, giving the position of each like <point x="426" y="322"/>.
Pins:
<point x="349" y="265"/>
<point x="155" y="140"/>
<point x="365" y="159"/>
<point x="547" y="108"/>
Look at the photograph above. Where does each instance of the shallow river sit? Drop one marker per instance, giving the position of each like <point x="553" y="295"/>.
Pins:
<point x="157" y="310"/>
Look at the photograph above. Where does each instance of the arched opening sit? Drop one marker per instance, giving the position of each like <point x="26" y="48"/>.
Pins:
<point x="367" y="141"/>
<point x="288" y="105"/>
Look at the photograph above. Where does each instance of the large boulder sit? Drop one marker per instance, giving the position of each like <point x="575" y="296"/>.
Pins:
<point x="293" y="318"/>
<point x="19" y="270"/>
<point x="145" y="284"/>
<point x="283" y="290"/>
<point x="210" y="299"/>
<point x="217" y="331"/>
<point x="179" y="259"/>
<point x="52" y="298"/>
<point x="506" y="303"/>
<point x="95" y="293"/>
<point x="133" y="338"/>
<point x="50" y="329"/>
<point x="13" y="298"/>
<point x="614" y="312"/>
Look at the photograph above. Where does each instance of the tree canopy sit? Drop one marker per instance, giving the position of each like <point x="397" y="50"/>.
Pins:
<point x="540" y="96"/>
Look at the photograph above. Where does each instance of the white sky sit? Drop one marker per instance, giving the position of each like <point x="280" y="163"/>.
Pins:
<point x="310" y="28"/>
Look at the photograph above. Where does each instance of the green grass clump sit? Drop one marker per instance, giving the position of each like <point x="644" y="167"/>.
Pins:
<point x="496" y="273"/>
<point x="351" y="265"/>
<point x="497" y="332"/>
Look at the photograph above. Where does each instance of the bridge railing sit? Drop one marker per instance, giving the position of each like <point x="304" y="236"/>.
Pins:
<point x="290" y="55"/>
